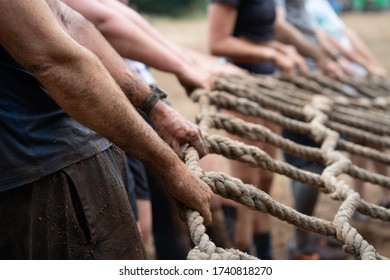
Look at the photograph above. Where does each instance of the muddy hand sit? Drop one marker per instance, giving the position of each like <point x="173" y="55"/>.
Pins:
<point x="178" y="131"/>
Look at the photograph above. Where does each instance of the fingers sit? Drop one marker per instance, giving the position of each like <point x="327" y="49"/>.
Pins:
<point x="285" y="65"/>
<point x="200" y="202"/>
<point x="182" y="211"/>
<point x="302" y="66"/>
<point x="184" y="147"/>
<point x="296" y="61"/>
<point x="199" y="144"/>
<point x="299" y="62"/>
<point x="195" y="139"/>
<point x="206" y="214"/>
<point x="177" y="148"/>
<point x="178" y="131"/>
<point x="337" y="74"/>
<point x="180" y="138"/>
<point x="332" y="70"/>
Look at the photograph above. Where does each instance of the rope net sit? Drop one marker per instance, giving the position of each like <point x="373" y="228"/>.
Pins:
<point x="348" y="117"/>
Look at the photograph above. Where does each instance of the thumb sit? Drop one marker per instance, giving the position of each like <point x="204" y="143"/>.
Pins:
<point x="183" y="209"/>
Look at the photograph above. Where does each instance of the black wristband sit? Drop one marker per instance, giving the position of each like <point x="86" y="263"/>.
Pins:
<point x="155" y="95"/>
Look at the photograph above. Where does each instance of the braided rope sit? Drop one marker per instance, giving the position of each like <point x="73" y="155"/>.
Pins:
<point x="312" y="113"/>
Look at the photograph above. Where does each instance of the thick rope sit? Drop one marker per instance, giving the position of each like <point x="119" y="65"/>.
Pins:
<point x="260" y="133"/>
<point x="315" y="115"/>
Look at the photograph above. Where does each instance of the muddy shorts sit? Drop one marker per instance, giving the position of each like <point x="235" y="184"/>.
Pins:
<point x="79" y="212"/>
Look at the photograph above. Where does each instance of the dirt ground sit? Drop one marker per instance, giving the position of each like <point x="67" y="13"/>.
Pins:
<point x="374" y="29"/>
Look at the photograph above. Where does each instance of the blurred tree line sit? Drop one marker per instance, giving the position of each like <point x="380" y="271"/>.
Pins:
<point x="170" y="7"/>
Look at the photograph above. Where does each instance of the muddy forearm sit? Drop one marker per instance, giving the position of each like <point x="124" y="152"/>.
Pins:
<point x="77" y="80"/>
<point x="87" y="35"/>
<point x="94" y="99"/>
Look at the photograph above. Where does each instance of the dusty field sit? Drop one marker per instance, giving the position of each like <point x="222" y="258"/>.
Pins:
<point x="374" y="29"/>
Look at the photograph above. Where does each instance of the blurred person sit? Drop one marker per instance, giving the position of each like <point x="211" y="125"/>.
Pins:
<point x="138" y="182"/>
<point x="133" y="37"/>
<point x="337" y="6"/>
<point x="253" y="36"/>
<point x="137" y="186"/>
<point x="306" y="245"/>
<point x="243" y="32"/>
<point x="64" y="197"/>
<point x="125" y="31"/>
<point x="293" y="26"/>
<point x="341" y="42"/>
<point x="344" y="43"/>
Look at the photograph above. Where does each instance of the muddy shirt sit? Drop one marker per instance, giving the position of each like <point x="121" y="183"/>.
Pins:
<point x="37" y="137"/>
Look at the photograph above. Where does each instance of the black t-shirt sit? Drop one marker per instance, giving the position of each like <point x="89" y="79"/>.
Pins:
<point x="255" y="18"/>
<point x="37" y="137"/>
<point x="255" y="21"/>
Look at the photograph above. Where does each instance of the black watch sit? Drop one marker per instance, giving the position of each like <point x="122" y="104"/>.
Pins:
<point x="155" y="95"/>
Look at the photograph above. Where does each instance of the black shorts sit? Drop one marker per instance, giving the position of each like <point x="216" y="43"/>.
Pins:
<point x="79" y="212"/>
<point x="138" y="172"/>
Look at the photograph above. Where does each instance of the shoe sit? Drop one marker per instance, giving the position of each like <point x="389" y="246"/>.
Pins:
<point x="326" y="240"/>
<point x="307" y="253"/>
<point x="357" y="216"/>
<point x="330" y="249"/>
<point x="385" y="204"/>
<point x="318" y="248"/>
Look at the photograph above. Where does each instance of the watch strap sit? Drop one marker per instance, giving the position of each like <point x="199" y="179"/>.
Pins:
<point x="155" y="95"/>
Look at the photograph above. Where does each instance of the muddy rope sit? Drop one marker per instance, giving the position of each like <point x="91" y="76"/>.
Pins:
<point x="316" y="106"/>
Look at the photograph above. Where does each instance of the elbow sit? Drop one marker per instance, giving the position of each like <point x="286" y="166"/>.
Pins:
<point x="214" y="51"/>
<point x="50" y="66"/>
<point x="217" y="49"/>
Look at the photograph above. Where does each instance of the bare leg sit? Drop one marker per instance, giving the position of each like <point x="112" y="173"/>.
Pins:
<point x="358" y="184"/>
<point x="145" y="223"/>
<point x="217" y="229"/>
<point x="385" y="196"/>
<point x="253" y="226"/>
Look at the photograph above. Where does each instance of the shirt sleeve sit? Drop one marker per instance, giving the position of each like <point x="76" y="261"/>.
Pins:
<point x="234" y="3"/>
<point x="322" y="15"/>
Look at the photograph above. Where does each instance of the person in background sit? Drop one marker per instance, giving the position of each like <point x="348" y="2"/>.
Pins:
<point x="64" y="197"/>
<point x="341" y="42"/>
<point x="243" y="32"/>
<point x="305" y="245"/>
<point x="293" y="26"/>
<point x="256" y="36"/>
<point x="345" y="44"/>
<point x="133" y="37"/>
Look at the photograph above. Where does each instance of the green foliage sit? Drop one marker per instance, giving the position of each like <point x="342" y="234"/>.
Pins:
<point x="170" y="7"/>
